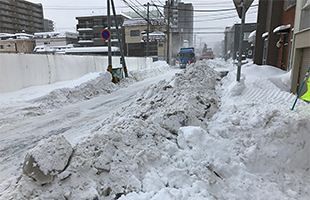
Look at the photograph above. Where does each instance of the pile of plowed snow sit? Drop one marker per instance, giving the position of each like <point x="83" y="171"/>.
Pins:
<point x="99" y="86"/>
<point x="131" y="149"/>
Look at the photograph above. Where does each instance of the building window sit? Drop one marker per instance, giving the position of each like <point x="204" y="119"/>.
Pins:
<point x="161" y="45"/>
<point x="134" y="33"/>
<point x="1" y="47"/>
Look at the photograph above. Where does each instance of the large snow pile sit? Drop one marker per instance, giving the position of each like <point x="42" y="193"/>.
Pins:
<point x="132" y="149"/>
<point x="180" y="141"/>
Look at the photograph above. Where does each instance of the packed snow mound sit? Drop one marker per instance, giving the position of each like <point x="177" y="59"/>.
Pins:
<point x="85" y="91"/>
<point x="47" y="159"/>
<point x="130" y="151"/>
<point x="156" y="68"/>
<point x="189" y="99"/>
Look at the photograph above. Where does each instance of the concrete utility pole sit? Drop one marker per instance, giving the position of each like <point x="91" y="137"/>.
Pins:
<point x="119" y="40"/>
<point x="109" y="28"/>
<point x="168" y="32"/>
<point x="148" y="31"/>
<point x="241" y="41"/>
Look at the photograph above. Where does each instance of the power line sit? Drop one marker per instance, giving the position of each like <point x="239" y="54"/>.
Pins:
<point x="193" y="10"/>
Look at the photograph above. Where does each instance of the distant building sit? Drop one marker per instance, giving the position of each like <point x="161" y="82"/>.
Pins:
<point x="48" y="25"/>
<point x="232" y="38"/>
<point x="54" y="42"/>
<point x="275" y="25"/>
<point x="16" y="43"/>
<point x="182" y="24"/>
<point x="90" y="28"/>
<point x="56" y="38"/>
<point x="301" y="44"/>
<point x="136" y="38"/>
<point x="20" y="16"/>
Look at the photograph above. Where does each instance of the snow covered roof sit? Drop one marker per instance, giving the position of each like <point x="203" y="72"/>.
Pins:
<point x="265" y="34"/>
<point x="85" y="41"/>
<point x="282" y="28"/>
<point x="6" y="35"/>
<point x="91" y="49"/>
<point x="135" y="22"/>
<point x="84" y="29"/>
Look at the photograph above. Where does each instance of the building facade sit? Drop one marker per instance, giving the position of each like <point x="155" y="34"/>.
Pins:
<point x="136" y="39"/>
<point x="48" y="25"/>
<point x="90" y="28"/>
<point x="275" y="25"/>
<point x="17" y="16"/>
<point x="232" y="38"/>
<point x="55" y="38"/>
<point x="301" y="45"/>
<point x="16" y="43"/>
<point x="182" y="24"/>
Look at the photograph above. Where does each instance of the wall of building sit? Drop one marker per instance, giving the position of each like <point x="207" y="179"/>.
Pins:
<point x="301" y="45"/>
<point x="17" y="46"/>
<point x="24" y="70"/>
<point x="19" y="15"/>
<point x="134" y="39"/>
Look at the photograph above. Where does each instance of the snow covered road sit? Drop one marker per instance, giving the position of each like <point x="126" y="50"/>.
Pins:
<point x="74" y="121"/>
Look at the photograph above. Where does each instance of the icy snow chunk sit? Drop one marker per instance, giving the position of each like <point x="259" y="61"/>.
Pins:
<point x="47" y="159"/>
<point x="190" y="137"/>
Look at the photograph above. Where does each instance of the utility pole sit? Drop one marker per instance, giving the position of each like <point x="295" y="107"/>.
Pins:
<point x="241" y="40"/>
<point x="168" y="33"/>
<point x="148" y="31"/>
<point x="109" y="41"/>
<point x="119" y="40"/>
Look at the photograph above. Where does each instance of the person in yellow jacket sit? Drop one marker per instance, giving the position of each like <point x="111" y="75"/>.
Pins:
<point x="306" y="96"/>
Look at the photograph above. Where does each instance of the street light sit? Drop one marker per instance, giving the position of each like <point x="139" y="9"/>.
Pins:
<point x="242" y="7"/>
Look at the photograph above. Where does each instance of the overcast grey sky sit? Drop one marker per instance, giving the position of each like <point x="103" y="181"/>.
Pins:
<point x="63" y="13"/>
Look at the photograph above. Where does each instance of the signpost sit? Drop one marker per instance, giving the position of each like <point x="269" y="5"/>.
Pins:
<point x="105" y="34"/>
<point x="241" y="6"/>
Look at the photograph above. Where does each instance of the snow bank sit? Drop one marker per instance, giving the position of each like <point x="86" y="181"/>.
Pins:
<point x="132" y="150"/>
<point x="60" y="97"/>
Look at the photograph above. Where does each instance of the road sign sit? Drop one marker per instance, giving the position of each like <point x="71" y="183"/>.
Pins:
<point x="105" y="34"/>
<point x="246" y="5"/>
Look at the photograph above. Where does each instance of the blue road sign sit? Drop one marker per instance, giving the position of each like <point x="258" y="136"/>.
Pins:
<point x="105" y="34"/>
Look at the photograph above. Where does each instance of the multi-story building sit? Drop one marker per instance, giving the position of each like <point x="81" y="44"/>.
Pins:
<point x="275" y="25"/>
<point x="48" y="25"/>
<point x="136" y="38"/>
<point x="232" y="38"/>
<point x="18" y="16"/>
<point x="182" y="24"/>
<point x="301" y="44"/>
<point x="90" y="28"/>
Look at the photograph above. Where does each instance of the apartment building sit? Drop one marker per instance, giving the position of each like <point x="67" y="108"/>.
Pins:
<point x="17" y="16"/>
<point x="301" y="44"/>
<point x="90" y="28"/>
<point x="136" y="38"/>
<point x="182" y="24"/>
<point x="274" y="34"/>
<point x="48" y="25"/>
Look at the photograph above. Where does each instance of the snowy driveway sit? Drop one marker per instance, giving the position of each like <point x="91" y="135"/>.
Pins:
<point x="75" y="121"/>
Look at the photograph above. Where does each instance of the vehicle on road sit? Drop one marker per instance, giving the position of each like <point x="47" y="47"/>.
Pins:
<point x="186" y="56"/>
